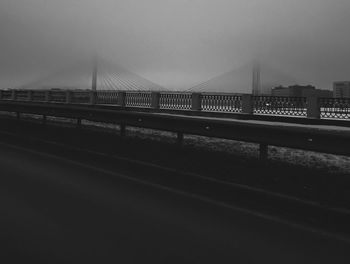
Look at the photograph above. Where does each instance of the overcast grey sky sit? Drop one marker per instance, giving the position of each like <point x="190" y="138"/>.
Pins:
<point x="177" y="43"/>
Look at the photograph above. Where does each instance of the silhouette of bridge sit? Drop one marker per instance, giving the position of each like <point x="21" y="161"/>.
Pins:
<point x="254" y="76"/>
<point x="112" y="84"/>
<point x="95" y="74"/>
<point x="102" y="74"/>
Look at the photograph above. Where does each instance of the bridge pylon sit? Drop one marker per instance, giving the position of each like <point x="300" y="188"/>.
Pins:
<point x="94" y="74"/>
<point x="256" y="80"/>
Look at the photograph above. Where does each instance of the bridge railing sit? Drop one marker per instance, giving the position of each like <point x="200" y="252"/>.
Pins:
<point x="138" y="99"/>
<point x="221" y="102"/>
<point x="6" y="95"/>
<point x="22" y="95"/>
<point x="280" y="105"/>
<point x="106" y="97"/>
<point x="57" y="96"/>
<point x="310" y="107"/>
<point x="335" y="108"/>
<point x="79" y="97"/>
<point x="179" y="101"/>
<point x="38" y="95"/>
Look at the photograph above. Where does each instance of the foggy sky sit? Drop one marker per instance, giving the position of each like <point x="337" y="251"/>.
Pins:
<point x="177" y="43"/>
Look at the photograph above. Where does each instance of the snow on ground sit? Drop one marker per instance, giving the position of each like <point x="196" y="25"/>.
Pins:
<point x="328" y="162"/>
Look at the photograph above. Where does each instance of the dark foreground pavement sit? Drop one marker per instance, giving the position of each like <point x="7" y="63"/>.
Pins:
<point x="57" y="211"/>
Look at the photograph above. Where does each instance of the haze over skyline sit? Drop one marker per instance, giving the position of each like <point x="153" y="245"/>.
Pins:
<point x="177" y="43"/>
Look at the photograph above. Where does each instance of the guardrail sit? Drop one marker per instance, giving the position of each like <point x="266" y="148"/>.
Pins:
<point x="263" y="133"/>
<point x="307" y="107"/>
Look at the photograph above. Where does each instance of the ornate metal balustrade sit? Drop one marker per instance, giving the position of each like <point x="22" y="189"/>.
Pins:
<point x="57" y="96"/>
<point x="138" y="99"/>
<point x="335" y="108"/>
<point x="330" y="108"/>
<point x="179" y="101"/>
<point x="107" y="97"/>
<point x="38" y="95"/>
<point x="6" y="94"/>
<point x="222" y="103"/>
<point x="22" y="95"/>
<point x="278" y="105"/>
<point x="80" y="97"/>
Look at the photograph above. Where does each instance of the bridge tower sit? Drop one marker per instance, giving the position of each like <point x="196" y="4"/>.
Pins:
<point x="256" y="82"/>
<point x="94" y="74"/>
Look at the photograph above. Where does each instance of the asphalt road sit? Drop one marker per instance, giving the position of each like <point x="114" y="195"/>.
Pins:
<point x="57" y="211"/>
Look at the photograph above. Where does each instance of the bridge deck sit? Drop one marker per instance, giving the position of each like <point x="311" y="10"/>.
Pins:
<point x="60" y="211"/>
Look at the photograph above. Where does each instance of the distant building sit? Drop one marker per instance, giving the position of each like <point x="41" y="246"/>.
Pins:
<point x="300" y="91"/>
<point x="293" y="91"/>
<point x="318" y="93"/>
<point x="280" y="91"/>
<point x="341" y="89"/>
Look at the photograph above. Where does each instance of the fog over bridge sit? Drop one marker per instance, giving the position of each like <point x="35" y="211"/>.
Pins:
<point x="103" y="74"/>
<point x="96" y="73"/>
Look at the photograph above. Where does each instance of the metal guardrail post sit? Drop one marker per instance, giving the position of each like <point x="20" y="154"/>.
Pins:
<point x="122" y="129"/>
<point x="179" y="138"/>
<point x="92" y="96"/>
<point x="196" y="101"/>
<point x="313" y="109"/>
<point x="121" y="98"/>
<point x="47" y="96"/>
<point x="247" y="104"/>
<point x="78" y="122"/>
<point x="68" y="96"/>
<point x="263" y="151"/>
<point x="155" y="96"/>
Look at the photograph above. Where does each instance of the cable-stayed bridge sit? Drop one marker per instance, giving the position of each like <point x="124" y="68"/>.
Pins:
<point x="249" y="77"/>
<point x="102" y="82"/>
<point x="99" y="74"/>
<point x="102" y="74"/>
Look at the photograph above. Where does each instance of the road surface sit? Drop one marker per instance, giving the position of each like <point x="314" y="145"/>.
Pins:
<point x="57" y="211"/>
